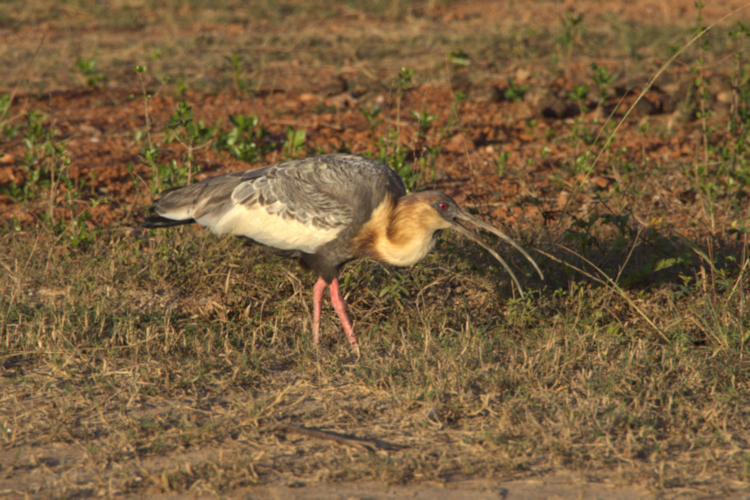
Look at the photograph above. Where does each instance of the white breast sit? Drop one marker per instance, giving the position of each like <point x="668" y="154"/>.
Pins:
<point x="269" y="229"/>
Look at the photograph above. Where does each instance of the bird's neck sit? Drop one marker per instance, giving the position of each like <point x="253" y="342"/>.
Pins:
<point x="396" y="233"/>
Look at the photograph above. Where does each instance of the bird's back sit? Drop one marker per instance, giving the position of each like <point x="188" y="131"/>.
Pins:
<point x="301" y="205"/>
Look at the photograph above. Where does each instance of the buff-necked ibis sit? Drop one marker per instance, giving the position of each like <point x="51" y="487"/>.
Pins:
<point x="324" y="211"/>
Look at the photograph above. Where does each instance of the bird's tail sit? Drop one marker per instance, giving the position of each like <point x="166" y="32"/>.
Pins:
<point x="156" y="221"/>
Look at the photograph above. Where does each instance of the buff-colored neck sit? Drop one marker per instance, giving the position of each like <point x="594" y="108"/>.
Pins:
<point x="400" y="233"/>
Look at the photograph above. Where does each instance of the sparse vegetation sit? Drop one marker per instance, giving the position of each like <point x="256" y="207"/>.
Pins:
<point x="515" y="92"/>
<point x="171" y="361"/>
<point x="87" y="69"/>
<point x="244" y="141"/>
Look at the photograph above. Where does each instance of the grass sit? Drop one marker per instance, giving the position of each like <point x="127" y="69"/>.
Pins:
<point x="252" y="59"/>
<point x="134" y="362"/>
<point x="142" y="348"/>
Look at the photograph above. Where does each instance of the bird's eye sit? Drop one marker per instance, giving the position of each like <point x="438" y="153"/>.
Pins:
<point x="443" y="206"/>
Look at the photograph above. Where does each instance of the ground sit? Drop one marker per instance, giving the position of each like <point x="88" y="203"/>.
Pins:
<point x="608" y="138"/>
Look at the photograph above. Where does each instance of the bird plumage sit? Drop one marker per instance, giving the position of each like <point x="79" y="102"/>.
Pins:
<point x="325" y="211"/>
<point x="402" y="232"/>
<point x="313" y="206"/>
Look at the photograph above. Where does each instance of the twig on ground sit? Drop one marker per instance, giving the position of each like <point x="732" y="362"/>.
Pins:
<point x="369" y="445"/>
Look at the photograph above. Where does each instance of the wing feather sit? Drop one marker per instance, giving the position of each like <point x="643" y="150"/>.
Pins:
<point x="298" y="205"/>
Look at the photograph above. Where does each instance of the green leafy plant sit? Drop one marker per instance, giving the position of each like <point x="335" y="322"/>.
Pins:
<point x="396" y="158"/>
<point x="571" y="26"/>
<point x="244" y="140"/>
<point x="235" y="60"/>
<point x="295" y="141"/>
<point x="149" y="154"/>
<point x="501" y="162"/>
<point x="458" y="58"/>
<point x="79" y="235"/>
<point x="581" y="131"/>
<point x="45" y="161"/>
<point x="180" y="88"/>
<point x="514" y="92"/>
<point x="424" y="119"/>
<point x="191" y="135"/>
<point x="602" y="79"/>
<point x="390" y="151"/>
<point x="405" y="76"/>
<point x="427" y="161"/>
<point x="371" y="115"/>
<point x="578" y="95"/>
<point x="87" y="68"/>
<point x="5" y="104"/>
<point x="395" y="290"/>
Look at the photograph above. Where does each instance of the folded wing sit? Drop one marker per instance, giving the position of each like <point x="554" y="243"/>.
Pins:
<point x="291" y="206"/>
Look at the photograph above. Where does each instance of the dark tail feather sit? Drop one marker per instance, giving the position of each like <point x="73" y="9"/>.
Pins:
<point x="157" y="221"/>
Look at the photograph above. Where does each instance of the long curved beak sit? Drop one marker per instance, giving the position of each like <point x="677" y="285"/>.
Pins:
<point x="460" y="228"/>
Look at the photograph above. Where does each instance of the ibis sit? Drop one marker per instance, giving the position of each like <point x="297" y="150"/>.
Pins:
<point x="325" y="211"/>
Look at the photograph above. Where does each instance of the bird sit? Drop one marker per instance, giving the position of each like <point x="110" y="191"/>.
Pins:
<point x="325" y="211"/>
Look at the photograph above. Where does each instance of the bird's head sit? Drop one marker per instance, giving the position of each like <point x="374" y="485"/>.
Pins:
<point x="438" y="211"/>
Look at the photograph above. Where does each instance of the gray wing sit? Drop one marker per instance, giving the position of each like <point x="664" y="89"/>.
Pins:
<point x="298" y="192"/>
<point x="301" y="205"/>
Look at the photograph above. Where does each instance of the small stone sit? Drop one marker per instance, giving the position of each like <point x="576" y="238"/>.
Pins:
<point x="458" y="142"/>
<point x="725" y="97"/>
<point x="522" y="75"/>
<point x="307" y="97"/>
<point x="601" y="182"/>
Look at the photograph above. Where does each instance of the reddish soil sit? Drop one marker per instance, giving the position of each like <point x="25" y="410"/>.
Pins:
<point x="99" y="124"/>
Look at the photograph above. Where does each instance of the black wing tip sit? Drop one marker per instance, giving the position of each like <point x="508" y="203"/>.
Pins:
<point x="157" y="221"/>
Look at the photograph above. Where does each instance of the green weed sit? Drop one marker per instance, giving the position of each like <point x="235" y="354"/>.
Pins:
<point x="371" y="115"/>
<point x="237" y="71"/>
<point x="87" y="69"/>
<point x="45" y="161"/>
<point x="514" y="92"/>
<point x="295" y="142"/>
<point x="571" y="27"/>
<point x="192" y="136"/>
<point x="244" y="141"/>
<point x="424" y="122"/>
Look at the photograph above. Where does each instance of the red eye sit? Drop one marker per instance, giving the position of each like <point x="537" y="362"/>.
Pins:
<point x="443" y="206"/>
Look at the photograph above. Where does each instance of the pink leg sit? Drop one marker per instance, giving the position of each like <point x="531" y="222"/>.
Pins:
<point x="339" y="304"/>
<point x="318" y="290"/>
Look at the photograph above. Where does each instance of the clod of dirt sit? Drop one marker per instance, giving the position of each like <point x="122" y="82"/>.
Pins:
<point x="720" y="86"/>
<point x="668" y="104"/>
<point x="671" y="83"/>
<point x="522" y="75"/>
<point x="486" y="94"/>
<point x="337" y="85"/>
<point x="341" y="101"/>
<point x="552" y="106"/>
<point x="458" y="142"/>
<point x="644" y="107"/>
<point x="461" y="82"/>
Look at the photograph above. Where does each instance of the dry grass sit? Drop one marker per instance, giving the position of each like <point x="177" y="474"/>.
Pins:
<point x="286" y="46"/>
<point x="128" y="357"/>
